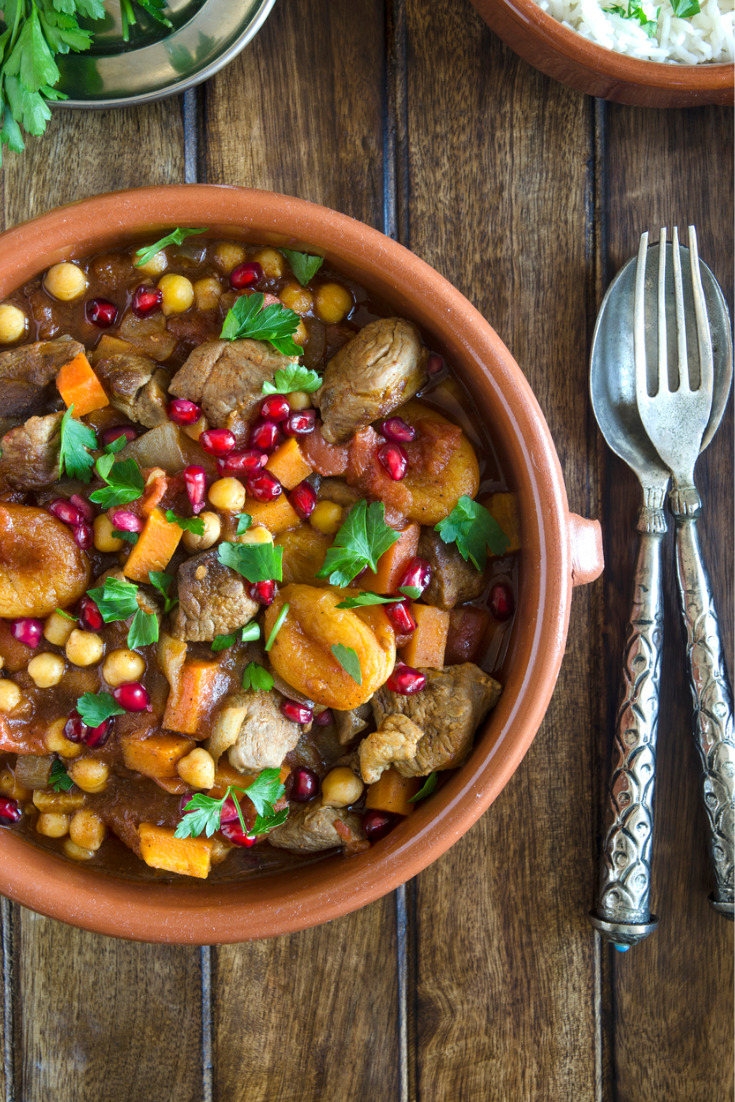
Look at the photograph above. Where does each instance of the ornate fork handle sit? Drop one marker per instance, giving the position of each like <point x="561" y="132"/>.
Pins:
<point x="711" y="693"/>
<point x="623" y="913"/>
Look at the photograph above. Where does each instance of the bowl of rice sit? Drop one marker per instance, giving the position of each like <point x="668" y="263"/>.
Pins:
<point x="652" y="53"/>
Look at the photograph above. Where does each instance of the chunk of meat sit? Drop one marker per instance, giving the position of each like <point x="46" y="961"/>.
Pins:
<point x="453" y="581"/>
<point x="136" y="387"/>
<point x="41" y="567"/>
<point x="380" y="368"/>
<point x="337" y="490"/>
<point x="352" y="723"/>
<point x="310" y="829"/>
<point x="396" y="740"/>
<point x="30" y="453"/>
<point x="448" y="710"/>
<point x="226" y="379"/>
<point x="213" y="600"/>
<point x="251" y="727"/>
<point x="28" y="371"/>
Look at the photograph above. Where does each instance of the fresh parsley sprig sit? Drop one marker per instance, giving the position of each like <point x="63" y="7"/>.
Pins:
<point x="203" y="814"/>
<point x="95" y="708"/>
<point x="358" y="544"/>
<point x="348" y="660"/>
<point x="426" y="788"/>
<point x="303" y="265"/>
<point x="188" y="524"/>
<point x="123" y="482"/>
<point x="258" y="562"/>
<point x="275" y="324"/>
<point x="256" y="677"/>
<point x="162" y="582"/>
<point x="634" y="11"/>
<point x="248" y="634"/>
<point x="294" y="377"/>
<point x="118" y="600"/>
<point x="58" y="778"/>
<point x="176" y="237"/>
<point x="76" y="440"/>
<point x="361" y="600"/>
<point x="474" y="531"/>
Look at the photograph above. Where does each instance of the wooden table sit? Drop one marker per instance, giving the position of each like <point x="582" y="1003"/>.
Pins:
<point x="481" y="980"/>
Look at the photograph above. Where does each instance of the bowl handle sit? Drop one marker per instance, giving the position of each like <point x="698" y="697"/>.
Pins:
<point x="585" y="544"/>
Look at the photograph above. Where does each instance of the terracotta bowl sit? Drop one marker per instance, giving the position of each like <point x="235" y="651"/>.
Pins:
<point x="565" y="55"/>
<point x="560" y="550"/>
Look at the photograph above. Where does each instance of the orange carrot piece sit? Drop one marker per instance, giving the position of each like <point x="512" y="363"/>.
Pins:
<point x="428" y="643"/>
<point x="277" y="516"/>
<point x="79" y="386"/>
<point x="156" y="544"/>
<point x="185" y="710"/>
<point x="393" y="562"/>
<point x="392" y="792"/>
<point x="504" y="508"/>
<point x="287" y="463"/>
<point x="160" y="849"/>
<point x="155" y="756"/>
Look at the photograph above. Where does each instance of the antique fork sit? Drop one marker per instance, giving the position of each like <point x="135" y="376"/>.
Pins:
<point x="675" y="412"/>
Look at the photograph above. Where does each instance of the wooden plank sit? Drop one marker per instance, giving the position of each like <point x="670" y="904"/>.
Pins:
<point x="497" y="191"/>
<point x="673" y="993"/>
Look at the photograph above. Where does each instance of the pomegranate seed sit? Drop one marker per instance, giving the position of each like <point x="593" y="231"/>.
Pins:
<point x="265" y="436"/>
<point x="83" y="536"/>
<point x="229" y="811"/>
<point x="262" y="592"/>
<point x="377" y="824"/>
<point x="395" y="428"/>
<point x="324" y="718"/>
<point x="302" y="785"/>
<point x="128" y="431"/>
<point x="217" y="442"/>
<point x="234" y="833"/>
<point x="394" y="460"/>
<point x="245" y="275"/>
<point x="401" y="617"/>
<point x="146" y="301"/>
<point x="303" y="499"/>
<point x="132" y="696"/>
<point x="101" y="312"/>
<point x="97" y="736"/>
<point x="195" y="480"/>
<point x="125" y="521"/>
<point x="242" y="463"/>
<point x="405" y="680"/>
<point x="185" y="799"/>
<point x="10" y="811"/>
<point x="502" y="604"/>
<point x="297" y="713"/>
<point x="90" y="617"/>
<point x="28" y="631"/>
<point x="300" y="423"/>
<point x="75" y="728"/>
<point x="183" y="412"/>
<point x="275" y="408"/>
<point x="434" y="364"/>
<point x="264" y="486"/>
<point x="64" y="511"/>
<point x="417" y="575"/>
<point x="86" y="508"/>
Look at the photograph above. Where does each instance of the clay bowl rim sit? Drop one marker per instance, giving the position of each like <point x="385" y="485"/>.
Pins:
<point x="205" y="912"/>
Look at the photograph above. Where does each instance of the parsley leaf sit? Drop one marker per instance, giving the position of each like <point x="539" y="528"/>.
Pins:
<point x="685" y="9"/>
<point x="95" y="708"/>
<point x="58" y="778"/>
<point x="366" y="598"/>
<point x="265" y="791"/>
<point x="275" y="323"/>
<point x="124" y="482"/>
<point x="116" y="599"/>
<point x="474" y="530"/>
<point x="162" y="582"/>
<point x="293" y="377"/>
<point x="66" y="615"/>
<point x="256" y="677"/>
<point x="348" y="660"/>
<point x="143" y="630"/>
<point x="188" y="524"/>
<point x="75" y="441"/>
<point x="359" y="543"/>
<point x="116" y="445"/>
<point x="203" y="814"/>
<point x="303" y="265"/>
<point x="264" y="825"/>
<point x="258" y="562"/>
<point x="250" y="632"/>
<point x="426" y="788"/>
<point x="129" y="537"/>
<point x="176" y="237"/>
<point x="244" y="520"/>
<point x="277" y="626"/>
<point x="222" y="642"/>
<point x="635" y="11"/>
<point x="412" y="591"/>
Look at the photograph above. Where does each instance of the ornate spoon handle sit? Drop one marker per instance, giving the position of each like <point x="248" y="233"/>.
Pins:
<point x="623" y="913"/>
<point x="711" y="694"/>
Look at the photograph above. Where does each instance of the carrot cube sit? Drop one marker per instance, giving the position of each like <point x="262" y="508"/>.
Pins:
<point x="277" y="516"/>
<point x="392" y="792"/>
<point x="393" y="562"/>
<point x="287" y="463"/>
<point x="79" y="386"/>
<point x="160" y="849"/>
<point x="155" y="756"/>
<point x="428" y="643"/>
<point x="155" y="547"/>
<point x="185" y="709"/>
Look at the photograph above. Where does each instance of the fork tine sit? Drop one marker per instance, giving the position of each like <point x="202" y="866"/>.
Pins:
<point x="704" y="336"/>
<point x="663" y="351"/>
<point x="681" y="329"/>
<point x="639" y="324"/>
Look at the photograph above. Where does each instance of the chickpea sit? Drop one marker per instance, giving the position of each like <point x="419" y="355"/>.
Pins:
<point x="197" y="768"/>
<point x="122" y="666"/>
<point x="46" y="670"/>
<point x="10" y="695"/>
<point x="84" y="648"/>
<point x="87" y="830"/>
<point x="296" y="298"/>
<point x="77" y="853"/>
<point x="227" y="494"/>
<point x="57" y="629"/>
<point x="326" y="517"/>
<point x="178" y="294"/>
<point x="13" y="323"/>
<point x="299" y="400"/>
<point x="9" y="786"/>
<point x="57" y="743"/>
<point x="302" y="334"/>
<point x="341" y="787"/>
<point x="89" y="774"/>
<point x="52" y="825"/>
<point x="65" y="282"/>
<point x="227" y="255"/>
<point x="155" y="266"/>
<point x="207" y="293"/>
<point x="103" y="537"/>
<point x="258" y="534"/>
<point x="271" y="261"/>
<point x="210" y="535"/>
<point x="333" y="303"/>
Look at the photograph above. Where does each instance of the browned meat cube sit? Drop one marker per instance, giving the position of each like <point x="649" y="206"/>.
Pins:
<point x="30" y="453"/>
<point x="213" y="600"/>
<point x="27" y="372"/>
<point x="453" y="581"/>
<point x="311" y="828"/>
<point x="250" y="725"/>
<point x="136" y="386"/>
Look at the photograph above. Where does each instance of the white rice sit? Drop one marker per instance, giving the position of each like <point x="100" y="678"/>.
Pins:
<point x="708" y="36"/>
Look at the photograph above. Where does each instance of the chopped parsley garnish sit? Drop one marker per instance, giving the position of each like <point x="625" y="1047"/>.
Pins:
<point x="291" y="378"/>
<point x="117" y="600"/>
<point x="129" y="537"/>
<point x="348" y="660"/>
<point x="95" y="708"/>
<point x="685" y="9"/>
<point x="426" y="788"/>
<point x="116" y="445"/>
<point x="176" y="237"/>
<point x="188" y="524"/>
<point x="303" y="265"/>
<point x="203" y="814"/>
<point x="412" y="591"/>
<point x="124" y="482"/>
<point x="244" y="520"/>
<point x="66" y="615"/>
<point x="162" y="582"/>
<point x="634" y="10"/>
<point x="143" y="630"/>
<point x="58" y="778"/>
<point x="359" y="543"/>
<point x="256" y="677"/>
<point x="75" y="442"/>
<point x="265" y="824"/>
<point x="275" y="323"/>
<point x="248" y="634"/>
<point x="363" y="599"/>
<point x="265" y="791"/>
<point x="474" y="530"/>
<point x="277" y="626"/>
<point x="258" y="562"/>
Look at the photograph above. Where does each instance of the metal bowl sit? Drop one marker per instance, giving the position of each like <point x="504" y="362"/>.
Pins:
<point x="157" y="61"/>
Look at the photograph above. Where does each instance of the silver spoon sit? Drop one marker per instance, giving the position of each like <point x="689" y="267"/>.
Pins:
<point x="623" y="912"/>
